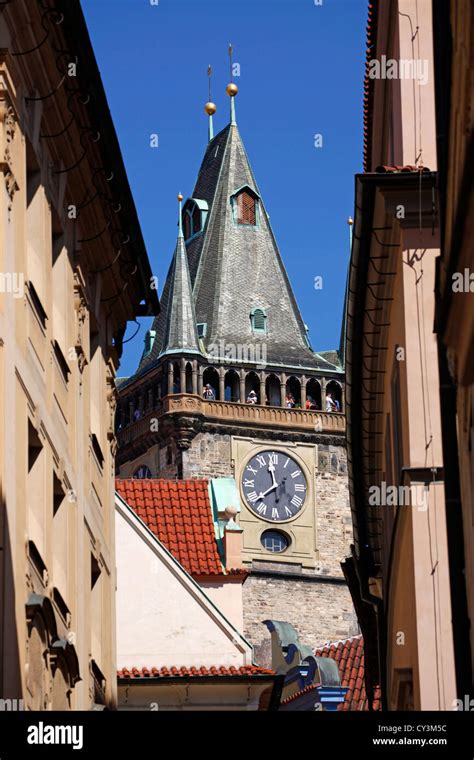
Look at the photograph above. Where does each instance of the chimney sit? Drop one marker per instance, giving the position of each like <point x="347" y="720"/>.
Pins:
<point x="232" y="541"/>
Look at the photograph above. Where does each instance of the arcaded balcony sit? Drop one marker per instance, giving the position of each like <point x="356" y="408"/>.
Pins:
<point x="231" y="412"/>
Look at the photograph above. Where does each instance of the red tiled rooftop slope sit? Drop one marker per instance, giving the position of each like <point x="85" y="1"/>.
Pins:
<point x="179" y="514"/>
<point x="349" y="655"/>
<point x="213" y="670"/>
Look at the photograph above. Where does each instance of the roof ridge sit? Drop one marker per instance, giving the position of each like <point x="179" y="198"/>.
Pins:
<point x="340" y="641"/>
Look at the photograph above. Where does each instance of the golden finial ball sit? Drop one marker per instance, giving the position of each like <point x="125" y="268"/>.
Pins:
<point x="210" y="108"/>
<point x="232" y="90"/>
<point x="350" y="221"/>
<point x="180" y="197"/>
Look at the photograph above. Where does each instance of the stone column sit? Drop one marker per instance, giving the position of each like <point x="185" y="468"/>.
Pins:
<point x="170" y="377"/>
<point x="303" y="391"/>
<point x="262" y="389"/>
<point x="221" y="383"/>
<point x="323" y="394"/>
<point x="282" y="389"/>
<point x="200" y="380"/>
<point x="195" y="376"/>
<point x="130" y="412"/>
<point x="343" y="399"/>
<point x="182" y="376"/>
<point x="242" y="386"/>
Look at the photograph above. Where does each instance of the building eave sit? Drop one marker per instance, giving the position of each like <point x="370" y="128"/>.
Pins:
<point x="366" y="187"/>
<point x="76" y="34"/>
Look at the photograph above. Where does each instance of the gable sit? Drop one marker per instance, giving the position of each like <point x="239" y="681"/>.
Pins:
<point x="163" y="616"/>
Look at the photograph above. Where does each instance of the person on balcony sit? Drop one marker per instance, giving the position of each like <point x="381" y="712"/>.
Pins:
<point x="209" y="393"/>
<point x="290" y="401"/>
<point x="310" y="403"/>
<point x="330" y="403"/>
<point x="136" y="415"/>
<point x="252" y="398"/>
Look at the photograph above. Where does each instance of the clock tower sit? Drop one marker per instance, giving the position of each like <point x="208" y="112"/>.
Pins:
<point x="229" y="387"/>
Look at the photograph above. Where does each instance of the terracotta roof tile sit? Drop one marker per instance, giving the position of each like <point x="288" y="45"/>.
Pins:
<point x="194" y="672"/>
<point x="179" y="514"/>
<point x="349" y="655"/>
<point x="371" y="33"/>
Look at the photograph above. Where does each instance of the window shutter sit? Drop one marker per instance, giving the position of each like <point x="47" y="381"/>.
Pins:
<point x="247" y="209"/>
<point x="259" y="320"/>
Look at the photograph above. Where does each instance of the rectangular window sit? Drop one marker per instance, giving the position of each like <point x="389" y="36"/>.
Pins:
<point x="246" y="205"/>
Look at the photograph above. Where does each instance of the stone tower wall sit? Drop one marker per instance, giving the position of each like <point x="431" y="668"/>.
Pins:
<point x="317" y="603"/>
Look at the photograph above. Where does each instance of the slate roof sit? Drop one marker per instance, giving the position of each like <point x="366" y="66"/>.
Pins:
<point x="234" y="268"/>
<point x="194" y="672"/>
<point x="349" y="655"/>
<point x="180" y="331"/>
<point x="179" y="513"/>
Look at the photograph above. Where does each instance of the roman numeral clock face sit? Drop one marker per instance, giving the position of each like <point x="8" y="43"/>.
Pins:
<point x="274" y="486"/>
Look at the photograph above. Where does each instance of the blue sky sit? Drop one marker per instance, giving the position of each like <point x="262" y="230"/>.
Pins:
<point x="301" y="74"/>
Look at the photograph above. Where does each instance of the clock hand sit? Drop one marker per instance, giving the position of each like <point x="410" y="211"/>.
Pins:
<point x="261" y="495"/>
<point x="271" y="468"/>
<point x="277" y="498"/>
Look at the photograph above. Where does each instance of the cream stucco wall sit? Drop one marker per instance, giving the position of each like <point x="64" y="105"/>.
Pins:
<point x="164" y="618"/>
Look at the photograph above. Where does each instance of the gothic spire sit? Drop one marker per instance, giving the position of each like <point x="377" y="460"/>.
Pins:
<point x="177" y="322"/>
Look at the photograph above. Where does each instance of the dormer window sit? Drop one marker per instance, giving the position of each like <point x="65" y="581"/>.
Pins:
<point x="194" y="217"/>
<point x="245" y="207"/>
<point x="258" y="320"/>
<point x="149" y="339"/>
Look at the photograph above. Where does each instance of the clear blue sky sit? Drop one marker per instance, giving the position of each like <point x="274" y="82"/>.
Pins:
<point x="302" y="68"/>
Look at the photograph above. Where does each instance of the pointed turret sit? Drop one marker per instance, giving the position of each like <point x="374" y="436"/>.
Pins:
<point x="241" y="292"/>
<point x="175" y="327"/>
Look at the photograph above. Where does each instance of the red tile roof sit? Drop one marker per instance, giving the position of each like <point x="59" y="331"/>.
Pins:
<point x="349" y="655"/>
<point x="179" y="513"/>
<point x="194" y="672"/>
<point x="402" y="169"/>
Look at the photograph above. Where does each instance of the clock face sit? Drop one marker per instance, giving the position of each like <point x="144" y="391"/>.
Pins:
<point x="274" y="486"/>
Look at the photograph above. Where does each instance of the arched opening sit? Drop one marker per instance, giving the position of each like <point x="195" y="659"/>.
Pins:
<point x="232" y="386"/>
<point x="210" y="384"/>
<point x="272" y="388"/>
<point x="176" y="379"/>
<point x="313" y="394"/>
<point x="136" y="408"/>
<point x="293" y="393"/>
<point x="196" y="218"/>
<point x="118" y="418"/>
<point x="189" y="377"/>
<point x="333" y="397"/>
<point x="164" y="384"/>
<point x="252" y="388"/>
